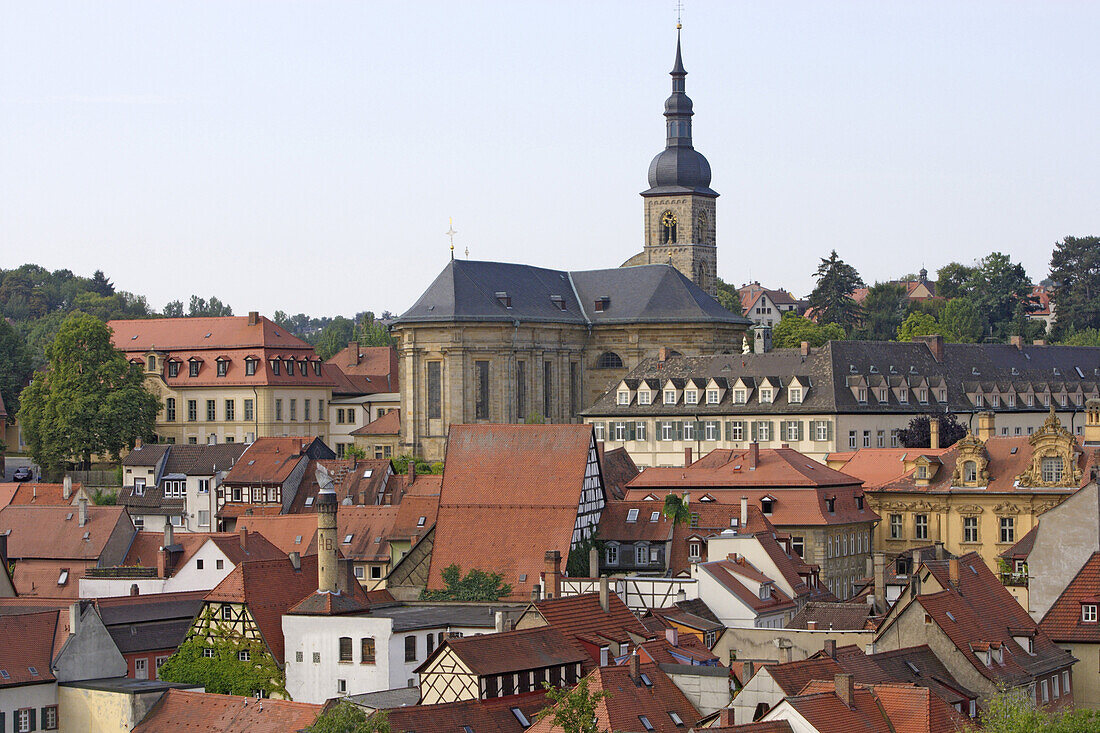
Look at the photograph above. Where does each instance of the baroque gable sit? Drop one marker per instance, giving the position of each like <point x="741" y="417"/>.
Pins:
<point x="1053" y="457"/>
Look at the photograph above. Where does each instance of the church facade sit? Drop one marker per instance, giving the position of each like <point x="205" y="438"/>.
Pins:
<point x="503" y="342"/>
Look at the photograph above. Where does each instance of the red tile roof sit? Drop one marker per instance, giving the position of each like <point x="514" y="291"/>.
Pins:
<point x="881" y="708"/>
<point x="618" y="470"/>
<point x="510" y="493"/>
<point x="1062" y="621"/>
<point x="581" y="616"/>
<point x="514" y="651"/>
<point x="184" y="711"/>
<point x="728" y="468"/>
<point x="876" y="467"/>
<point x="28" y="642"/>
<point x="360" y="482"/>
<point x="388" y="424"/>
<point x="482" y="716"/>
<point x="208" y="339"/>
<point x="289" y="532"/>
<point x="268" y="461"/>
<point x="39" y="495"/>
<point x="732" y="574"/>
<point x="687" y="650"/>
<point x="416" y="514"/>
<point x="646" y="526"/>
<point x="54" y="532"/>
<point x="628" y="699"/>
<point x="365" y="369"/>
<point x="369" y="528"/>
<point x="838" y="616"/>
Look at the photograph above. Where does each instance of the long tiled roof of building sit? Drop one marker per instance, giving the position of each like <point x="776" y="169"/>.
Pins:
<point x="1063" y="620"/>
<point x="879" y="708"/>
<point x="388" y="424"/>
<point x="522" y="481"/>
<point x="515" y="651"/>
<point x="185" y="711"/>
<point x="35" y="494"/>
<point x="203" y="460"/>
<point x="731" y="574"/>
<point x="26" y="655"/>
<point x="726" y="468"/>
<point x="494" y="715"/>
<point x="54" y="532"/>
<point x="289" y="532"/>
<point x="268" y="461"/>
<point x="357" y="482"/>
<point x="791" y="507"/>
<point x="837" y="371"/>
<point x="468" y="291"/>
<point x="360" y="369"/>
<point x="838" y="616"/>
<point x="581" y="616"/>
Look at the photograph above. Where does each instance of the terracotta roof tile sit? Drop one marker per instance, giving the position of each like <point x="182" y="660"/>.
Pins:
<point x="32" y="494"/>
<point x="515" y="651"/>
<point x="481" y="716"/>
<point x="728" y="468"/>
<point x="54" y="532"/>
<point x="687" y="650"/>
<point x="838" y="616"/>
<point x="184" y="711"/>
<point x="388" y="424"/>
<point x="618" y="470"/>
<point x="28" y="643"/>
<point x="357" y="482"/>
<point x="289" y="532"/>
<point x="367" y="369"/>
<point x="581" y="615"/>
<point x="648" y="523"/>
<point x="1062" y="621"/>
<point x="268" y="461"/>
<point x="731" y="574"/>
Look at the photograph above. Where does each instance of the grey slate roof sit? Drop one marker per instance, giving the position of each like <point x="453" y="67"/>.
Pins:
<point x="203" y="460"/>
<point x="466" y="291"/>
<point x="146" y="455"/>
<point x="831" y="369"/>
<point x="408" y="618"/>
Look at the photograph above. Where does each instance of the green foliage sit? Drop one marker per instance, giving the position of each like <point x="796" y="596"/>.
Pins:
<point x="963" y="321"/>
<point x="995" y="285"/>
<point x="952" y="280"/>
<point x="884" y="309"/>
<point x="676" y="509"/>
<point x="90" y="400"/>
<point x="104" y="497"/>
<point x="728" y="297"/>
<point x="225" y="673"/>
<point x="573" y="710"/>
<point x="213" y="307"/>
<point x="919" y="435"/>
<point x="334" y="337"/>
<point x="370" y="332"/>
<point x="577" y="565"/>
<point x="1088" y="337"/>
<point x="1075" y="270"/>
<point x="534" y="418"/>
<point x="831" y="299"/>
<point x="1014" y="711"/>
<point x="401" y="464"/>
<point x="173" y="309"/>
<point x="345" y="717"/>
<point x="354" y="453"/>
<point x="15" y="366"/>
<point x="919" y="324"/>
<point x="476" y="585"/>
<point x="793" y="329"/>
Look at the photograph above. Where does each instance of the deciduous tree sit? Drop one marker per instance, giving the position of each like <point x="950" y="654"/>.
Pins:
<point x="919" y="434"/>
<point x="574" y="711"/>
<point x="346" y="717"/>
<point x="793" y="329"/>
<point x="476" y="585"/>
<point x="15" y="366"/>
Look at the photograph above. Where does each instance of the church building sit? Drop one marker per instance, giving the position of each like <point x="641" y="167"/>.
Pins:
<point x="503" y="342"/>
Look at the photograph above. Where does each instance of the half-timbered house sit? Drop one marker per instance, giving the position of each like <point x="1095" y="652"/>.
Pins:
<point x="599" y="622"/>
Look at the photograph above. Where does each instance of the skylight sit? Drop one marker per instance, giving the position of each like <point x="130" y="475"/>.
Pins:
<point x="368" y="472"/>
<point x="645" y="722"/>
<point x="523" y="577"/>
<point x="298" y="539"/>
<point x="309" y="501"/>
<point x="63" y="578"/>
<point x="347" y="539"/>
<point x="4" y="674"/>
<point x="521" y="718"/>
<point x="467" y="729"/>
<point x="950" y="615"/>
<point x="646" y="681"/>
<point x="632" y="516"/>
<point x="676" y="718"/>
<point x="420" y="522"/>
<point x="912" y="667"/>
<point x="68" y="517"/>
<point x="653" y="516"/>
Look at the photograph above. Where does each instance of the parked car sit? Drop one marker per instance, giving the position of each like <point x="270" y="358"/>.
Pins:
<point x="23" y="473"/>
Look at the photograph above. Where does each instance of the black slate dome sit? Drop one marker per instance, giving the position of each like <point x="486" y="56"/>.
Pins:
<point x="679" y="168"/>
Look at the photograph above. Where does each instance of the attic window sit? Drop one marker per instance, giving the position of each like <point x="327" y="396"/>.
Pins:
<point x="134" y="337"/>
<point x="676" y="719"/>
<point x="1088" y="613"/>
<point x="33" y="671"/>
<point x="558" y="301"/>
<point x="87" y="536"/>
<point x="504" y="299"/>
<point x="298" y="539"/>
<point x="521" y="718"/>
<point x="951" y="616"/>
<point x="645" y="680"/>
<point x="347" y="539"/>
<point x="602" y="303"/>
<point x="766" y="505"/>
<point x="632" y="516"/>
<point x="523" y="577"/>
<point x="653" y="517"/>
<point x="912" y="667"/>
<point x="377" y="540"/>
<point x="467" y="729"/>
<point x="420" y="521"/>
<point x="830" y="504"/>
<point x="63" y="578"/>
<point x="4" y="674"/>
<point x="645" y="722"/>
<point x="68" y="517"/>
<point x="368" y="472"/>
<point x="309" y="501"/>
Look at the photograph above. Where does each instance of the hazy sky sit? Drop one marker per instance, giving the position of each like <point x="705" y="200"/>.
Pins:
<point x="305" y="156"/>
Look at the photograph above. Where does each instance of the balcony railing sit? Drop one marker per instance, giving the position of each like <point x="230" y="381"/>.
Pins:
<point x="1014" y="579"/>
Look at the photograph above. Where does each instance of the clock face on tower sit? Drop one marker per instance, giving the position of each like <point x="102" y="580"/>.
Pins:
<point x="668" y="228"/>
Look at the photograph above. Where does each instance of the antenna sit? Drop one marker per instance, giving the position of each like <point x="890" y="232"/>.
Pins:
<point x="679" y="11"/>
<point x="451" y="233"/>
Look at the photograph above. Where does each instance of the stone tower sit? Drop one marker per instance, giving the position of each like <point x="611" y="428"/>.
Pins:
<point x="679" y="203"/>
<point x="327" y="564"/>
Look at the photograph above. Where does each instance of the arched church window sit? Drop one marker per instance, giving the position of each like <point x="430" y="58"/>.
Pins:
<point x="609" y="360"/>
<point x="970" y="471"/>
<point x="1052" y="469"/>
<point x="702" y="227"/>
<point x="668" y="228"/>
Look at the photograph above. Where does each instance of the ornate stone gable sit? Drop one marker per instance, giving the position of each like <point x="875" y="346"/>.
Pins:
<point x="1053" y="457"/>
<point x="971" y="463"/>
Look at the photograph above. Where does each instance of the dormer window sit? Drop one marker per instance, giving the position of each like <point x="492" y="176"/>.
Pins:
<point x="765" y="394"/>
<point x="994" y="401"/>
<point x="631" y="516"/>
<point x="249" y="367"/>
<point x="670" y="397"/>
<point x="645" y="397"/>
<point x="624" y="397"/>
<point x="1011" y="399"/>
<point x="830" y="504"/>
<point x="152" y="364"/>
<point x="943" y="395"/>
<point x="766" y="504"/>
<point x="794" y="395"/>
<point x="1031" y="400"/>
<point x="173" y="369"/>
<point x="712" y="397"/>
<point x="1052" y="469"/>
<point x="695" y="550"/>
<point x="275" y="367"/>
<point x="223" y="367"/>
<point x="317" y="368"/>
<point x="193" y="367"/>
<point x="740" y="396"/>
<point x="1088" y="613"/>
<point x="923" y="396"/>
<point x="691" y="397"/>
<point x="504" y="299"/>
<point x="558" y="301"/>
<point x="859" y="503"/>
<point x="922" y="471"/>
<point x="979" y="400"/>
<point x="289" y="364"/>
<point x="602" y="303"/>
<point x="302" y="367"/>
<point x="861" y="395"/>
<point x="883" y="395"/>
<point x="765" y="591"/>
<point x="970" y="471"/>
<point x="903" y="396"/>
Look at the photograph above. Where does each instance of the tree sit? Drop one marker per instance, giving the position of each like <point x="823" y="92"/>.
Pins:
<point x="952" y="280"/>
<point x="15" y="366"/>
<point x="1014" y="711"/>
<point x="213" y="307"/>
<point x="346" y="717"/>
<point x="100" y="284"/>
<point x="89" y="401"/>
<point x="676" y="509"/>
<point x="534" y="418"/>
<point x="173" y="309"/>
<point x="918" y="324"/>
<point x="401" y="464"/>
<point x="574" y="711"/>
<point x="962" y="321"/>
<point x="996" y="287"/>
<point x="728" y="296"/>
<point x="919" y="435"/>
<point x="1089" y="337"/>
<point x="225" y="673"/>
<point x="476" y="585"/>
<point x="1075" y="270"/>
<point x="832" y="297"/>
<point x="369" y="332"/>
<point x="883" y="311"/>
<point x="334" y="337"/>
<point x="793" y="329"/>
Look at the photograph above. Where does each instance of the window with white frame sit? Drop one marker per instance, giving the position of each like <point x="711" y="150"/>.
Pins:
<point x="670" y="397"/>
<point x="923" y="396"/>
<point x="920" y="526"/>
<point x="49" y="717"/>
<point x="599" y="430"/>
<point x="645" y="397"/>
<point x="821" y="430"/>
<point x="689" y="430"/>
<point x="695" y="550"/>
<point x="1088" y="613"/>
<point x="611" y="554"/>
<point x="641" y="555"/>
<point x="620" y="431"/>
<point x="174" y="488"/>
<point x="861" y="394"/>
<point x="691" y="397"/>
<point x="852" y="439"/>
<point x="792" y="431"/>
<point x="740" y="396"/>
<point x="895" y="526"/>
<point x="710" y="431"/>
<point x="903" y="395"/>
<point x="639" y="431"/>
<point x="894" y="439"/>
<point x="712" y="397"/>
<point x="737" y="430"/>
<point x="204" y="517"/>
<point x="880" y="438"/>
<point x="970" y="529"/>
<point x="766" y="394"/>
<point x="794" y="395"/>
<point x="764" y="431"/>
<point x="666" y="431"/>
<point x="624" y="397"/>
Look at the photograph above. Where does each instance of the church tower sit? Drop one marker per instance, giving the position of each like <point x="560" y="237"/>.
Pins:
<point x="679" y="203"/>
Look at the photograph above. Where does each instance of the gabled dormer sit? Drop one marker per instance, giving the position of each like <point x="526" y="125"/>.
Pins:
<point x="971" y="463"/>
<point x="769" y="389"/>
<point x="695" y="391"/>
<point x="715" y="390"/>
<point x="798" y="388"/>
<point x="742" y="390"/>
<point x="672" y="391"/>
<point x="624" y="395"/>
<point x="857" y="383"/>
<point x="925" y="469"/>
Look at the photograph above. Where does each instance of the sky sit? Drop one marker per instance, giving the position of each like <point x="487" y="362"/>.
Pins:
<point x="307" y="156"/>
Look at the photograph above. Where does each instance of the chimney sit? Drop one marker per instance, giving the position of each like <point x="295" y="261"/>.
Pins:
<point x="353" y="356"/>
<point x="804" y="348"/>
<point x="74" y="617"/>
<point x="244" y="538"/>
<point x="934" y="432"/>
<point x="82" y="512"/>
<point x="687" y="456"/>
<point x="593" y="563"/>
<point x="412" y="471"/>
<point x="811" y="625"/>
<point x="635" y="668"/>
<point x="327" y="569"/>
<point x="137" y="443"/>
<point x="672" y="636"/>
<point x="498" y="622"/>
<point x="938" y="550"/>
<point x="934" y="344"/>
<point x="296" y="560"/>
<point x="953" y="571"/>
<point x="67" y="488"/>
<point x="880" y="582"/>
<point x="844" y="688"/>
<point x="168" y="535"/>
<point x="162" y="563"/>
<point x="1092" y="422"/>
<point x="605" y="594"/>
<point x="987" y="425"/>
<point x="253" y="318"/>
<point x="754" y="455"/>
<point x="748" y="669"/>
<point x="830" y="648"/>
<point x="662" y="354"/>
<point x="551" y="576"/>
<point x="725" y="715"/>
<point x="1038" y="342"/>
<point x="784" y="651"/>
<point x="1017" y="341"/>
<point x="744" y="513"/>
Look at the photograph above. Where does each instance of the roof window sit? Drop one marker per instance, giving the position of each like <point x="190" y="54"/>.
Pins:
<point x="467" y="729"/>
<point x="602" y="303"/>
<point x="912" y="667"/>
<point x="523" y="577"/>
<point x="521" y="718"/>
<point x="653" y="517"/>
<point x="951" y="616"/>
<point x="4" y="674"/>
<point x="420" y="521"/>
<point x="298" y="539"/>
<point x="504" y="299"/>
<point x="63" y="578"/>
<point x="33" y="671"/>
<point x="368" y="473"/>
<point x="676" y="718"/>
<point x="558" y="301"/>
<point x="309" y="501"/>
<point x="347" y="539"/>
<point x="632" y="516"/>
<point x="645" y="680"/>
<point x="645" y="722"/>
